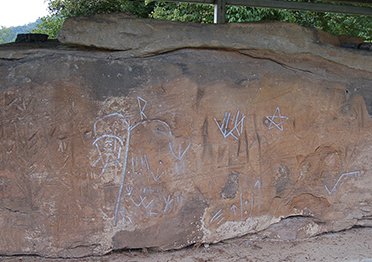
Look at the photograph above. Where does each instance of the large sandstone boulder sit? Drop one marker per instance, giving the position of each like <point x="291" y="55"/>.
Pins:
<point x="187" y="139"/>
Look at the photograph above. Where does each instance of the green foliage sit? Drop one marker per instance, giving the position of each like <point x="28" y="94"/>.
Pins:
<point x="183" y="12"/>
<point x="50" y="25"/>
<point x="336" y="24"/>
<point x="339" y="24"/>
<point x="235" y="14"/>
<point x="62" y="9"/>
<point x="5" y="35"/>
<point x="69" y="8"/>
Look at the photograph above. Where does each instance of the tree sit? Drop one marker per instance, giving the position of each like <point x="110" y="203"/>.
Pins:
<point x="69" y="8"/>
<point x="183" y="12"/>
<point x="5" y="35"/>
<point x="50" y="25"/>
<point x="62" y="9"/>
<point x="337" y="24"/>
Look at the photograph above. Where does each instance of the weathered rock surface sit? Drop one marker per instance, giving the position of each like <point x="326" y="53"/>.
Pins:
<point x="140" y="37"/>
<point x="104" y="150"/>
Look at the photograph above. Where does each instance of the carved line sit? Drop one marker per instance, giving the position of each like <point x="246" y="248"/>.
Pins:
<point x="152" y="120"/>
<point x="180" y="153"/>
<point x="142" y="107"/>
<point x="133" y="166"/>
<point x="252" y="204"/>
<point x="179" y="199"/>
<point x="124" y="171"/>
<point x="241" y="205"/>
<point x="125" y="217"/>
<point x="122" y="180"/>
<point x="233" y="209"/>
<point x="156" y="176"/>
<point x="224" y="126"/>
<point x="147" y="206"/>
<point x="129" y="190"/>
<point x="168" y="202"/>
<point x="106" y="161"/>
<point x="273" y="117"/>
<point x="257" y="185"/>
<point x="217" y="216"/>
<point x="142" y="202"/>
<point x="348" y="174"/>
<point x="108" y="136"/>
<point x="122" y="118"/>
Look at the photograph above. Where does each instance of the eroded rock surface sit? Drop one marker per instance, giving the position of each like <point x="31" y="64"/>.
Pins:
<point x="104" y="150"/>
<point x="140" y="37"/>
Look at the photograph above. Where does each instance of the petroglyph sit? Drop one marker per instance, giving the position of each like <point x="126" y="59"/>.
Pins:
<point x="168" y="203"/>
<point x="234" y="209"/>
<point x="181" y="153"/>
<point x="125" y="218"/>
<point x="276" y="120"/>
<point x="217" y="217"/>
<point x="113" y="136"/>
<point x="142" y="106"/>
<point x="231" y="126"/>
<point x="340" y="180"/>
<point x="109" y="150"/>
<point x="257" y="185"/>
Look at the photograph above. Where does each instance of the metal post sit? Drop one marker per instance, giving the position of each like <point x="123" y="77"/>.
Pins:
<point x="219" y="11"/>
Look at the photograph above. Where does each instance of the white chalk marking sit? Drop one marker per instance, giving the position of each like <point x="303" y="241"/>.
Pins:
<point x="272" y="120"/>
<point x="238" y="124"/>
<point x="123" y="175"/>
<point x="344" y="175"/>
<point x="233" y="209"/>
<point x="181" y="153"/>
<point x="109" y="150"/>
<point x="218" y="216"/>
<point x="257" y="185"/>
<point x="241" y="205"/>
<point x="142" y="106"/>
<point x="115" y="145"/>
<point x="139" y="203"/>
<point x="120" y="116"/>
<point x="179" y="199"/>
<point x="168" y="203"/>
<point x="146" y="206"/>
<point x="156" y="176"/>
<point x="129" y="190"/>
<point x="125" y="217"/>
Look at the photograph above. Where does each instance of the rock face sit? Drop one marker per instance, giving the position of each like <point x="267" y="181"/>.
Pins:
<point x="145" y="37"/>
<point x="105" y="150"/>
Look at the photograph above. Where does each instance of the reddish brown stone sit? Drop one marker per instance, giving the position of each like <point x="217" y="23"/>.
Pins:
<point x="101" y="152"/>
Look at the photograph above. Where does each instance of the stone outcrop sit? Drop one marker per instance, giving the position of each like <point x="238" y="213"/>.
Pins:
<point x="170" y="141"/>
<point x="31" y="38"/>
<point x="140" y="37"/>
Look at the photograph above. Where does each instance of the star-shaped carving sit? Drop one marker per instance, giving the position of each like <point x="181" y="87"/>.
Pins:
<point x="277" y="120"/>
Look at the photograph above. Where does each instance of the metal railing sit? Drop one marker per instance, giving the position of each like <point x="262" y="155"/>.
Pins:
<point x="336" y="6"/>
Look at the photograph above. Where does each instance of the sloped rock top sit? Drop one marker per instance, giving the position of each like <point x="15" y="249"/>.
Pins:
<point x="139" y="37"/>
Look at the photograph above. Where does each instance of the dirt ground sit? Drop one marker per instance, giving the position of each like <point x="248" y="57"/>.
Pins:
<point x="352" y="245"/>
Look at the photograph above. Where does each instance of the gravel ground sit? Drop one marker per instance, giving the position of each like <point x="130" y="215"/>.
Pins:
<point x="352" y="245"/>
